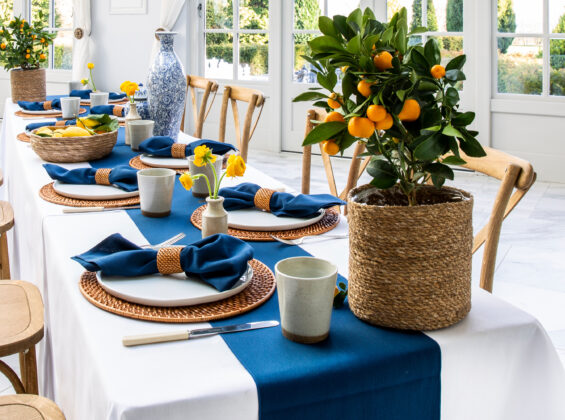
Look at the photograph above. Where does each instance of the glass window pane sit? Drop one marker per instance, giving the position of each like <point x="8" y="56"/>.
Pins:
<point x="219" y="14"/>
<point x="40" y="7"/>
<point x="520" y="65"/>
<point x="63" y="14"/>
<point x="6" y="10"/>
<point x="557" y="16"/>
<point x="340" y="7"/>
<point x="449" y="15"/>
<point x="63" y="47"/>
<point x="520" y="16"/>
<point x="254" y="14"/>
<point x="253" y="57"/>
<point x="306" y="13"/>
<point x="219" y="56"/>
<point x="557" y="72"/>
<point x="302" y="69"/>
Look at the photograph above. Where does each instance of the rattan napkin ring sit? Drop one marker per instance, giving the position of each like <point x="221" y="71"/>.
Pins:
<point x="262" y="199"/>
<point x="118" y="110"/>
<point x="168" y="260"/>
<point x="102" y="176"/>
<point x="178" y="151"/>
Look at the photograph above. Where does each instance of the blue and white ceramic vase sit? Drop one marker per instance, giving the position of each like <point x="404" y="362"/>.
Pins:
<point x="166" y="87"/>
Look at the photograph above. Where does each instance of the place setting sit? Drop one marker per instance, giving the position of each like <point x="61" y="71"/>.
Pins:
<point x="57" y="107"/>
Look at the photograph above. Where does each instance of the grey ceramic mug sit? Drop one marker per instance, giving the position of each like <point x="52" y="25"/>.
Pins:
<point x="156" y="187"/>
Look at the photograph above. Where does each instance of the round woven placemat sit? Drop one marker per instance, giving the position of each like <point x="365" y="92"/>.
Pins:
<point x="327" y="223"/>
<point x="23" y="137"/>
<point x="260" y="289"/>
<point x="136" y="163"/>
<point x="59" y="114"/>
<point x="49" y="194"/>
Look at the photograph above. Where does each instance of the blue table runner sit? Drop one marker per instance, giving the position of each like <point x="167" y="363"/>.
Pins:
<point x="359" y="372"/>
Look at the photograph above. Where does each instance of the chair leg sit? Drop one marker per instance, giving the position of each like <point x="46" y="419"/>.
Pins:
<point x="4" y="258"/>
<point x="12" y="377"/>
<point x="28" y="366"/>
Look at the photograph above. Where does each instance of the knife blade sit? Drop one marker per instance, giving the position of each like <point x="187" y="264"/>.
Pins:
<point x="93" y="209"/>
<point x="136" y="340"/>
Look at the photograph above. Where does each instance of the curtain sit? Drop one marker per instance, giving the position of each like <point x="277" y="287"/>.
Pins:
<point x="82" y="41"/>
<point x="170" y="11"/>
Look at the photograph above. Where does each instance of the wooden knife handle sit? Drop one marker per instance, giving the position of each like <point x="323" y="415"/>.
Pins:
<point x="136" y="340"/>
<point x="82" y="209"/>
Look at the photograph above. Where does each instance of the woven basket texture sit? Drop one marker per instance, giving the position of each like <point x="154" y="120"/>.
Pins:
<point x="73" y="149"/>
<point x="410" y="267"/>
<point x="28" y="85"/>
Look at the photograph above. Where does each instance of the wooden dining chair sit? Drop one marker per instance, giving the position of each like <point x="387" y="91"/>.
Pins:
<point x="194" y="84"/>
<point x="28" y="407"/>
<point x="356" y="169"/>
<point x="255" y="99"/>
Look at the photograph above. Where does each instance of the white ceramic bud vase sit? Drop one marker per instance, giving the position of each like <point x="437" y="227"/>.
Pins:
<point x="132" y="115"/>
<point x="214" y="217"/>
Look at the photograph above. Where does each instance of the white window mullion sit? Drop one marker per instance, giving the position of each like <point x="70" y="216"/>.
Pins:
<point x="235" y="5"/>
<point x="546" y="50"/>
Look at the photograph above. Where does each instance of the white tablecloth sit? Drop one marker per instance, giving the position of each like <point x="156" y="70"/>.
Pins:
<point x="498" y="363"/>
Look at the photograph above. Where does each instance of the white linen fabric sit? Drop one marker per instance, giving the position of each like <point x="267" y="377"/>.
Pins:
<point x="81" y="47"/>
<point x="170" y="11"/>
<point x="497" y="363"/>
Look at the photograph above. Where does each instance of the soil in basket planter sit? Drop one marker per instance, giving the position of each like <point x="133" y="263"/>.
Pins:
<point x="410" y="266"/>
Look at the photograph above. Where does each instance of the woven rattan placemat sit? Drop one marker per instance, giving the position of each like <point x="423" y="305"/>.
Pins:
<point x="59" y="114"/>
<point x="136" y="163"/>
<point x="122" y="102"/>
<point x="49" y="194"/>
<point x="23" y="137"/>
<point x="261" y="287"/>
<point x="327" y="223"/>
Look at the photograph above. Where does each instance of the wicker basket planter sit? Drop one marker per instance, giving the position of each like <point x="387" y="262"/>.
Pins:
<point x="410" y="267"/>
<point x="28" y="85"/>
<point x="73" y="149"/>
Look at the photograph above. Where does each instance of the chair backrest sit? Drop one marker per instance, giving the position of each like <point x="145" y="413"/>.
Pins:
<point x="255" y="99"/>
<point x="200" y="112"/>
<point x="516" y="176"/>
<point x="356" y="168"/>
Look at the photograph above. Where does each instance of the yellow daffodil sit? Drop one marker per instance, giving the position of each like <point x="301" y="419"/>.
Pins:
<point x="186" y="181"/>
<point x="90" y="66"/>
<point x="236" y="166"/>
<point x="124" y="86"/>
<point x="203" y="155"/>
<point x="84" y="82"/>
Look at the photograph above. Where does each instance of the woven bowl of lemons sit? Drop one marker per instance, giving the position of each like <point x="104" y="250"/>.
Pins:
<point x="71" y="144"/>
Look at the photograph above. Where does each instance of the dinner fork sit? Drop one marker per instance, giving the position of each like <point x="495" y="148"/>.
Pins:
<point x="168" y="242"/>
<point x="299" y="241"/>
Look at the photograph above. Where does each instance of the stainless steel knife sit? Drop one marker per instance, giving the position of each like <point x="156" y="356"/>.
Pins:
<point x="136" y="340"/>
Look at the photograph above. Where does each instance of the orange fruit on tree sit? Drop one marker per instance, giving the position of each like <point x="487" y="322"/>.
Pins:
<point x="376" y="112"/>
<point x="385" y="123"/>
<point x="332" y="102"/>
<point x="383" y="61"/>
<point x="364" y="88"/>
<point x="361" y="127"/>
<point x="438" y="71"/>
<point x="410" y="111"/>
<point x="334" y="116"/>
<point x="331" y="148"/>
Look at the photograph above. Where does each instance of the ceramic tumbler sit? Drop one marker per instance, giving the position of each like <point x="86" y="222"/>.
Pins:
<point x="156" y="191"/>
<point x="70" y="107"/>
<point x="140" y="130"/>
<point x="98" y="98"/>
<point x="305" y="286"/>
<point x="200" y="188"/>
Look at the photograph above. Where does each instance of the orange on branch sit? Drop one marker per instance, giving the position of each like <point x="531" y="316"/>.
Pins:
<point x="438" y="71"/>
<point x="383" y="61"/>
<point x="385" y="123"/>
<point x="376" y="113"/>
<point x="410" y="111"/>
<point x="361" y="127"/>
<point x="364" y="88"/>
<point x="334" y="116"/>
<point x="331" y="147"/>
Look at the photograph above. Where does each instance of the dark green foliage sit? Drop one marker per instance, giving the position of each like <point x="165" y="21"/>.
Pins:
<point x="506" y="23"/>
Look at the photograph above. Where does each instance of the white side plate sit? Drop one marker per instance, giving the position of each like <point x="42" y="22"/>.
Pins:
<point x="171" y="290"/>
<point x="257" y="220"/>
<point x="164" y="162"/>
<point x="92" y="191"/>
<point x="43" y="112"/>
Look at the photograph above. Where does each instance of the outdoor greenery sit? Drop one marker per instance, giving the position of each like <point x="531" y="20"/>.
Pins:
<point x="506" y="23"/>
<point x="454" y="23"/>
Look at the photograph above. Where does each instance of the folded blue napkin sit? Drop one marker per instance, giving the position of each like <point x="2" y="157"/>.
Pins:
<point x="281" y="204"/>
<point x="85" y="94"/>
<point x="123" y="176"/>
<point x="117" y="110"/>
<point x="40" y="106"/>
<point x="219" y="260"/>
<point x="33" y="126"/>
<point x="161" y="146"/>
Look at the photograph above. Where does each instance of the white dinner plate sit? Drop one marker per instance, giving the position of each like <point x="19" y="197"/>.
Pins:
<point x="110" y="101"/>
<point x="170" y="290"/>
<point x="42" y="112"/>
<point x="92" y="191"/>
<point x="164" y="162"/>
<point x="258" y="220"/>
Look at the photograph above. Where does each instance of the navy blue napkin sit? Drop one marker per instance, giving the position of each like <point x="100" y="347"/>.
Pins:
<point x="282" y="204"/>
<point x="123" y="176"/>
<point x="85" y="94"/>
<point x="161" y="146"/>
<point x="33" y="126"/>
<point x="108" y="109"/>
<point x="38" y="106"/>
<point x="219" y="260"/>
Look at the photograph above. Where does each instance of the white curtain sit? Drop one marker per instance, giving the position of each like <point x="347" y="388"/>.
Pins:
<point x="81" y="47"/>
<point x="170" y="11"/>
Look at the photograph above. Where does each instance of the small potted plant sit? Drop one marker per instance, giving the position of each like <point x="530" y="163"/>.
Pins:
<point x="23" y="48"/>
<point x="410" y="242"/>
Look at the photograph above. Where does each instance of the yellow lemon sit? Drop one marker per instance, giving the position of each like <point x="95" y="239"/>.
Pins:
<point x="75" y="132"/>
<point x="57" y="134"/>
<point x="44" y="130"/>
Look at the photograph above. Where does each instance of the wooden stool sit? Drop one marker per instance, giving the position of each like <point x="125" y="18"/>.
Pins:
<point x="28" y="407"/>
<point x="21" y="328"/>
<point x="6" y="223"/>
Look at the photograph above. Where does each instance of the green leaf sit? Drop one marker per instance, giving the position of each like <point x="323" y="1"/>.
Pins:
<point x="455" y="75"/>
<point x="370" y="41"/>
<point x="356" y="18"/>
<point x="418" y="30"/>
<point x="420" y="62"/>
<point x="463" y="119"/>
<point x="347" y="140"/>
<point x="431" y="148"/>
<point x="431" y="51"/>
<point x="401" y="41"/>
<point x="451" y="96"/>
<point x="328" y="81"/>
<point x="309" y="96"/>
<point x="387" y="34"/>
<point x="438" y="181"/>
<point x="471" y="146"/>
<point x="449" y="130"/>
<point x="354" y="45"/>
<point x="340" y="22"/>
<point x="425" y="86"/>
<point x="456" y="63"/>
<point x="347" y="85"/>
<point x="439" y="169"/>
<point x="431" y="117"/>
<point x="325" y="44"/>
<point x="327" y="27"/>
<point x="383" y="173"/>
<point x="323" y="132"/>
<point x="453" y="160"/>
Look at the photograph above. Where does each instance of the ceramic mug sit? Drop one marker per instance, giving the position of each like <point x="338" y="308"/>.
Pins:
<point x="140" y="130"/>
<point x="70" y="106"/>
<point x="156" y="191"/>
<point x="98" y="98"/>
<point x="200" y="188"/>
<point x="305" y="286"/>
<point x="75" y="85"/>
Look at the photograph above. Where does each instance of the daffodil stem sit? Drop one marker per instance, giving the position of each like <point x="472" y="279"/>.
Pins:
<point x="207" y="183"/>
<point x="92" y="80"/>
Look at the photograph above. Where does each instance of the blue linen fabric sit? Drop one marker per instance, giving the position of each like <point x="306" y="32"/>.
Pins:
<point x="161" y="146"/>
<point x="219" y="260"/>
<point x="106" y="109"/>
<point x="123" y="177"/>
<point x="33" y="126"/>
<point x="38" y="106"/>
<point x="85" y="94"/>
<point x="282" y="204"/>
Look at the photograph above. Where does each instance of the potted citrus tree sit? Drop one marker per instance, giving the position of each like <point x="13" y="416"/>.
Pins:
<point x="23" y="48"/>
<point x="410" y="236"/>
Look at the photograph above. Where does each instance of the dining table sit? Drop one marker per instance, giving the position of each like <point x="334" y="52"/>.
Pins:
<point x="497" y="363"/>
